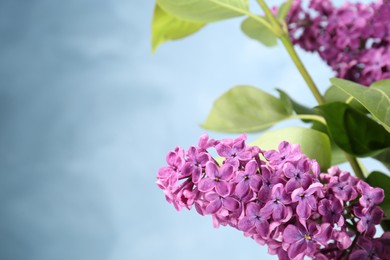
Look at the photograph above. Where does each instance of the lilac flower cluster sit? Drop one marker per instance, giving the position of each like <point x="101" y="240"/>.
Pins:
<point x="353" y="39"/>
<point x="279" y="198"/>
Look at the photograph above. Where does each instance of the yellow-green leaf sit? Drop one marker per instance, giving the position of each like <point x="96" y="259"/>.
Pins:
<point x="166" y="27"/>
<point x="245" y="109"/>
<point x="205" y="10"/>
<point x="257" y="31"/>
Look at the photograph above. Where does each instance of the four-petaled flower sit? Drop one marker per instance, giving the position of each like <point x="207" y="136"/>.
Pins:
<point x="304" y="240"/>
<point x="306" y="199"/>
<point x="217" y="178"/>
<point x="254" y="219"/>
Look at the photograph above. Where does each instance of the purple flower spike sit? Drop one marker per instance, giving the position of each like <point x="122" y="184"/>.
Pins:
<point x="306" y="200"/>
<point x="277" y="204"/>
<point x="254" y="220"/>
<point x="248" y="179"/>
<point x="217" y="178"/>
<point x="370" y="196"/>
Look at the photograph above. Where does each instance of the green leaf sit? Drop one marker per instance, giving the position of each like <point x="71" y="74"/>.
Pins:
<point x="353" y="131"/>
<point x="283" y="10"/>
<point x="298" y="108"/>
<point x="338" y="155"/>
<point x="245" y="109"/>
<point x="205" y="10"/>
<point x="315" y="144"/>
<point x="166" y="27"/>
<point x="286" y="100"/>
<point x="381" y="180"/>
<point x="257" y="31"/>
<point x="333" y="94"/>
<point x="375" y="98"/>
<point x="384" y="158"/>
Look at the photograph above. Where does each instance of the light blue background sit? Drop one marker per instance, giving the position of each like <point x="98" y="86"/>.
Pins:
<point x="88" y="115"/>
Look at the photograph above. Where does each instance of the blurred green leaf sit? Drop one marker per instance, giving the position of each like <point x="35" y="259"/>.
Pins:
<point x="205" y="10"/>
<point x="338" y="155"/>
<point x="166" y="27"/>
<point x="375" y="98"/>
<point x="283" y="10"/>
<point x="297" y="107"/>
<point x="353" y="131"/>
<point x="257" y="31"/>
<point x="384" y="158"/>
<point x="381" y="180"/>
<point x="245" y="109"/>
<point x="315" y="144"/>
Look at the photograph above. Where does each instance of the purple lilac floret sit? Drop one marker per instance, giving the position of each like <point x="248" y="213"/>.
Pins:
<point x="353" y="39"/>
<point x="279" y="198"/>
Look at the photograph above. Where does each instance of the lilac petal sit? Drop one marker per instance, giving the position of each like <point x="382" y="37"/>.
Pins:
<point x="279" y="212"/>
<point x="191" y="153"/>
<point x="226" y="172"/>
<point x="377" y="195"/>
<point x="343" y="240"/>
<point x="289" y="169"/>
<point x="212" y="170"/>
<point x="173" y="179"/>
<point x="246" y="223"/>
<point x="239" y="146"/>
<point x="358" y="255"/>
<point x="292" y="184"/>
<point x="164" y="172"/>
<point x="264" y="193"/>
<point x="203" y="158"/>
<point x="196" y="175"/>
<point x="252" y="209"/>
<point x="231" y="204"/>
<point x="295" y="195"/>
<point x="242" y="188"/>
<point x="313" y="188"/>
<point x="251" y="167"/>
<point x="303" y="210"/>
<point x="210" y="196"/>
<point x="324" y="233"/>
<point x="262" y="228"/>
<point x="268" y="208"/>
<point x="223" y="150"/>
<point x="312" y="202"/>
<point x="244" y="156"/>
<point x="206" y="184"/>
<point x="222" y="188"/>
<point x="297" y="248"/>
<point x="255" y="182"/>
<point x="213" y="206"/>
<point x="292" y="234"/>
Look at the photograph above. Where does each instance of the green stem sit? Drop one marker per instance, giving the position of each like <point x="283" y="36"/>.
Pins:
<point x="298" y="63"/>
<point x="310" y="117"/>
<point x="285" y="38"/>
<point x="355" y="166"/>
